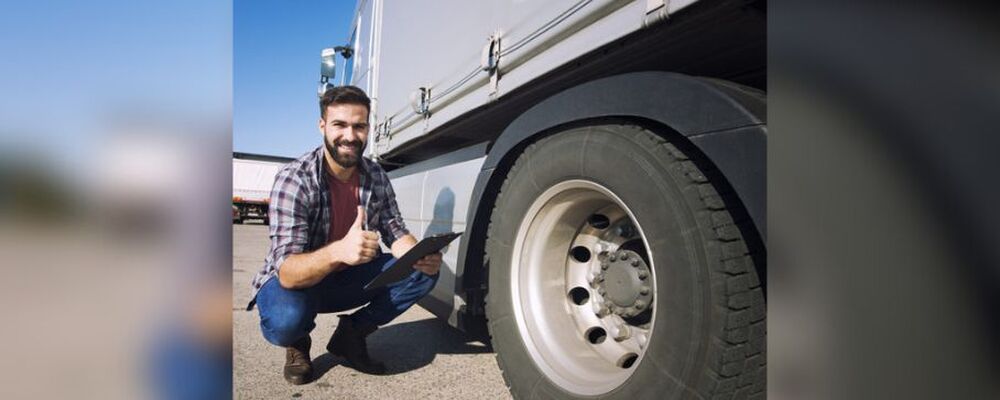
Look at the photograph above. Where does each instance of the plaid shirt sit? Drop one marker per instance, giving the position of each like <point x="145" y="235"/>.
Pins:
<point x="300" y="210"/>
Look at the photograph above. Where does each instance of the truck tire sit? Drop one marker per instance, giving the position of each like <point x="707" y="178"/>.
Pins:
<point x="616" y="271"/>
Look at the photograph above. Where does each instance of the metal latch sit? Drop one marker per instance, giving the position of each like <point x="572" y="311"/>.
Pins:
<point x="382" y="135"/>
<point x="490" y="60"/>
<point x="420" y="100"/>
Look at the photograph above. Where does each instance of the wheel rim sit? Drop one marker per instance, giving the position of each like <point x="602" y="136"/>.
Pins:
<point x="582" y="287"/>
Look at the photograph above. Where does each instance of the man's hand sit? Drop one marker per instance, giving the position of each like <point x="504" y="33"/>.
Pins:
<point x="358" y="246"/>
<point x="429" y="264"/>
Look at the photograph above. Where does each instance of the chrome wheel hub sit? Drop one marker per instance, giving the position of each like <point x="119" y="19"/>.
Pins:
<point x="582" y="287"/>
<point x="624" y="283"/>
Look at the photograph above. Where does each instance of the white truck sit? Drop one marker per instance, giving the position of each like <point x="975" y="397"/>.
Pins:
<point x="253" y="177"/>
<point x="606" y="161"/>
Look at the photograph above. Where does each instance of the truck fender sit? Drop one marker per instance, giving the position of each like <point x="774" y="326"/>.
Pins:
<point x="722" y="121"/>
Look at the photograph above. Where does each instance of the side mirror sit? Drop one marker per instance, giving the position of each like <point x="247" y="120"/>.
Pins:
<point x="327" y="70"/>
<point x="328" y="66"/>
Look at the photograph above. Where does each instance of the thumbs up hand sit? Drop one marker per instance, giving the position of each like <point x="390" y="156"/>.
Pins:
<point x="359" y="220"/>
<point x="358" y="246"/>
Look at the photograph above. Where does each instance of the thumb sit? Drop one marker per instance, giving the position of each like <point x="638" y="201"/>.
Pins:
<point x="360" y="218"/>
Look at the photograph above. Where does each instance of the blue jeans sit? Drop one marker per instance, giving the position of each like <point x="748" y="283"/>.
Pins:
<point x="287" y="315"/>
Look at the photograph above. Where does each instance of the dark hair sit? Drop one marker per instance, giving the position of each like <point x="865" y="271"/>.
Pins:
<point x="343" y="95"/>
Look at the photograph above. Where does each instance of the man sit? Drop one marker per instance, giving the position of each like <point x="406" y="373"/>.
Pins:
<point x="328" y="209"/>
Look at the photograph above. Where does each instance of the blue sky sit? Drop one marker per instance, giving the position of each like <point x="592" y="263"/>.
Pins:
<point x="70" y="68"/>
<point x="92" y="58"/>
<point x="276" y="48"/>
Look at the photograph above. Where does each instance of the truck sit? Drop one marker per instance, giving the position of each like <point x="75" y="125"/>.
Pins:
<point x="606" y="162"/>
<point x="253" y="176"/>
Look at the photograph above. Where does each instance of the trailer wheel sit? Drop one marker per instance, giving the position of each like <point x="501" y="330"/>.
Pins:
<point x="616" y="271"/>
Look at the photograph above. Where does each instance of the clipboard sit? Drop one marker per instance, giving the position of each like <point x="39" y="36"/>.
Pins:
<point x="404" y="265"/>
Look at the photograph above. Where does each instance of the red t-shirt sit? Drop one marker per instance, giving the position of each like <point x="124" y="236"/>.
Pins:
<point x="344" y="201"/>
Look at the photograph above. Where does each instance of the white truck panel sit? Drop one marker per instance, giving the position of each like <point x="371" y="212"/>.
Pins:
<point x="437" y="201"/>
<point x="619" y="23"/>
<point x="252" y="179"/>
<point x="409" y="191"/>
<point x="402" y="46"/>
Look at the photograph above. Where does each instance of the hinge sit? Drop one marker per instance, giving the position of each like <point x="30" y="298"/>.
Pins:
<point x="490" y="60"/>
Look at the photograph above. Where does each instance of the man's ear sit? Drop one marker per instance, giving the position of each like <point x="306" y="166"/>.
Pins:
<point x="320" y="126"/>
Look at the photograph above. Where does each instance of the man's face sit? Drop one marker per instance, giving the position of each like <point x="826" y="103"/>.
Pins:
<point x="345" y="132"/>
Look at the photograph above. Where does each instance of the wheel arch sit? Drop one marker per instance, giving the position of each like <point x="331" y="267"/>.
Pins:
<point x="720" y="125"/>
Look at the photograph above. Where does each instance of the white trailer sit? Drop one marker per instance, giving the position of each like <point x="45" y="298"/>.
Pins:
<point x="606" y="161"/>
<point x="253" y="176"/>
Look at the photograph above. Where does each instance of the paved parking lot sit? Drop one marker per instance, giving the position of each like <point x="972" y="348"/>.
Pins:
<point x="426" y="357"/>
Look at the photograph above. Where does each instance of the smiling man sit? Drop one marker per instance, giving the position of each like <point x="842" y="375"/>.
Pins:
<point x="328" y="209"/>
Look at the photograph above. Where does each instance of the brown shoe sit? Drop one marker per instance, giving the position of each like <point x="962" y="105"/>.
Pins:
<point x="298" y="365"/>
<point x="348" y="341"/>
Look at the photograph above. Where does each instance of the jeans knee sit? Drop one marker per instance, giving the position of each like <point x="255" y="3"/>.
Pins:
<point x="285" y="327"/>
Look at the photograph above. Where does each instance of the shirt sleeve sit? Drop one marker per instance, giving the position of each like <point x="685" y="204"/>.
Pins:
<point x="392" y="226"/>
<point x="289" y="215"/>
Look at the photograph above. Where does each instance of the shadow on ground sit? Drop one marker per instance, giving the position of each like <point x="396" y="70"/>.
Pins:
<point x="406" y="346"/>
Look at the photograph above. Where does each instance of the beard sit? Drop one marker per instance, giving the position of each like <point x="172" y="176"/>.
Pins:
<point x="344" y="159"/>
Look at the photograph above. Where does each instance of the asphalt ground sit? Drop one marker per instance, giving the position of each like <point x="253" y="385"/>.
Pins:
<point x="425" y="356"/>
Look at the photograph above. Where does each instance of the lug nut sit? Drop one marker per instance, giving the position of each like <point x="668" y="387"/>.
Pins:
<point x="643" y="274"/>
<point x="624" y="256"/>
<point x="622" y="332"/>
<point x="644" y="290"/>
<point x="612" y="257"/>
<point x="604" y="266"/>
<point x="603" y="311"/>
<point x="635" y="263"/>
<point x="639" y="304"/>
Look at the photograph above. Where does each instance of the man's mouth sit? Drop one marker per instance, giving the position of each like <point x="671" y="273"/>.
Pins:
<point x="350" y="148"/>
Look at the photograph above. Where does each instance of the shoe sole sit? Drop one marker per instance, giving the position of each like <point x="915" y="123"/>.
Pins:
<point x="297" y="379"/>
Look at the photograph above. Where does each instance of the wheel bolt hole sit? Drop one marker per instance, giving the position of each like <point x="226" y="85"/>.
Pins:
<point x="579" y="295"/>
<point x="596" y="335"/>
<point x="627" y="360"/>
<point x="580" y="254"/>
<point x="599" y="221"/>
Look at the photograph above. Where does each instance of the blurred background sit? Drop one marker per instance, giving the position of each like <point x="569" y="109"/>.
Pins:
<point x="115" y="199"/>
<point x="115" y="121"/>
<point x="882" y="200"/>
